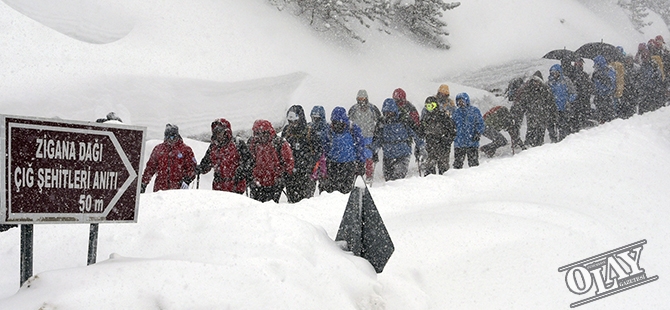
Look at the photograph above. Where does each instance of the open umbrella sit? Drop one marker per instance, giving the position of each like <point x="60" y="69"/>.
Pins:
<point x="562" y="55"/>
<point x="593" y="49"/>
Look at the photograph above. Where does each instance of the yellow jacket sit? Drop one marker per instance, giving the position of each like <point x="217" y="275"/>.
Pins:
<point x="620" y="80"/>
<point x="659" y="61"/>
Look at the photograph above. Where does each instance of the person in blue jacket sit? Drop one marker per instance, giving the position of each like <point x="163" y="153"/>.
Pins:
<point x="469" y="128"/>
<point x="344" y="154"/>
<point x="564" y="94"/>
<point x="318" y="129"/>
<point x="395" y="138"/>
<point x="604" y="82"/>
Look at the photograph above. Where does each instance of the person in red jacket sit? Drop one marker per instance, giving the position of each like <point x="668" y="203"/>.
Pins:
<point x="408" y="112"/>
<point x="172" y="162"/>
<point x="229" y="158"/>
<point x="273" y="161"/>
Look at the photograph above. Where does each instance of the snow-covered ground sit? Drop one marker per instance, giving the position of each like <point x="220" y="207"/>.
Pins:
<point x="491" y="237"/>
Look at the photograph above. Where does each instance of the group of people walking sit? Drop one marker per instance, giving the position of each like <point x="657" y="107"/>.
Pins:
<point x="328" y="155"/>
<point x="571" y="99"/>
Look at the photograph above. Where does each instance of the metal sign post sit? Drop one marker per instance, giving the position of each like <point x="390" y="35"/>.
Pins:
<point x="92" y="244"/>
<point x="26" y="252"/>
<point x="58" y="171"/>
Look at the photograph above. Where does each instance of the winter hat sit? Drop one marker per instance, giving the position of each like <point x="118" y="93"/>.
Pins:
<point x="362" y="94"/>
<point x="643" y="51"/>
<point x="620" y="49"/>
<point x="444" y="89"/>
<point x="465" y="97"/>
<point x="112" y="117"/>
<point x="659" y="39"/>
<point x="653" y="46"/>
<point x="399" y="94"/>
<point x="538" y="74"/>
<point x="556" y="68"/>
<point x="641" y="47"/>
<point x="171" y="131"/>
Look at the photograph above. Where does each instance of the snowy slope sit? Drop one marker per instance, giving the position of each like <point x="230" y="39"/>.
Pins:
<point x="489" y="237"/>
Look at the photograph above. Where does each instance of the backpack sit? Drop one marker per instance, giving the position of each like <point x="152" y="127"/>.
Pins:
<point x="513" y="86"/>
<point x="277" y="143"/>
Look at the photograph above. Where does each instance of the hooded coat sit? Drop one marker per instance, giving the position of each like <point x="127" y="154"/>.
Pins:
<point x="408" y="112"/>
<point x="438" y="128"/>
<point x="303" y="145"/>
<point x="604" y="77"/>
<point x="365" y="116"/>
<point x="319" y="130"/>
<point x="393" y="135"/>
<point x="230" y="159"/>
<point x="469" y="125"/>
<point x="536" y="99"/>
<point x="562" y="88"/>
<point x="172" y="162"/>
<point x="272" y="158"/>
<point x="347" y="144"/>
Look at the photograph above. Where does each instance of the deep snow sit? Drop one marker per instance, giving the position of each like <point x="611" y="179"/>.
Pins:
<point x="490" y="237"/>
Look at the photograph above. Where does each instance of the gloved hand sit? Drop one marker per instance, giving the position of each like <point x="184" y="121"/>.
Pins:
<point x="375" y="157"/>
<point x="184" y="185"/>
<point x="143" y="188"/>
<point x="476" y="137"/>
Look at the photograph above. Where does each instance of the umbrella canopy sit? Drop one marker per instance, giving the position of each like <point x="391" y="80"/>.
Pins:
<point x="593" y="49"/>
<point x="562" y="55"/>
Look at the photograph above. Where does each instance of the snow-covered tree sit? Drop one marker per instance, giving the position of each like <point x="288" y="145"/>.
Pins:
<point x="422" y="18"/>
<point x="637" y="12"/>
<point x="661" y="7"/>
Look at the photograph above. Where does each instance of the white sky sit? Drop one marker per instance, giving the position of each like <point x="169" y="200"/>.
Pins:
<point x="490" y="237"/>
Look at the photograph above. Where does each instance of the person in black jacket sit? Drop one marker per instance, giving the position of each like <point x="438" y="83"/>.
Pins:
<point x="439" y="132"/>
<point x="299" y="185"/>
<point x="580" y="109"/>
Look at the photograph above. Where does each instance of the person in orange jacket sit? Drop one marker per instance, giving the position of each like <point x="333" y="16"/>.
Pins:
<point x="273" y="162"/>
<point x="172" y="162"/>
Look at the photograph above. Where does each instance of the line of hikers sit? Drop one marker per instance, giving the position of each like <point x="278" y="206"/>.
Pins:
<point x="330" y="155"/>
<point x="572" y="100"/>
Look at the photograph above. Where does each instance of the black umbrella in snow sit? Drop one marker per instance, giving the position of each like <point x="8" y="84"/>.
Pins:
<point x="562" y="55"/>
<point x="593" y="49"/>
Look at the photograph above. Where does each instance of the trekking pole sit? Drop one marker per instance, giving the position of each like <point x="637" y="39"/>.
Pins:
<point x="197" y="181"/>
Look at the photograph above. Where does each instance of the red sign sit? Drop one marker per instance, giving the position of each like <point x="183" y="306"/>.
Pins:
<point x="59" y="171"/>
